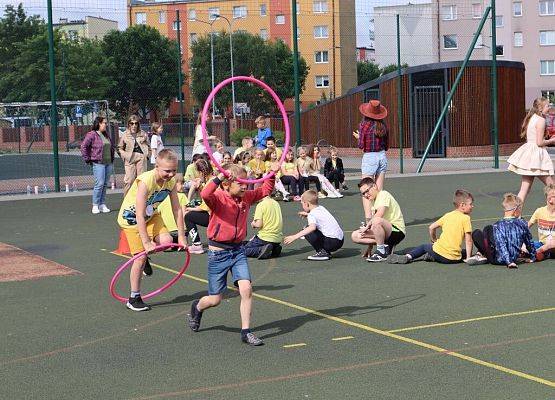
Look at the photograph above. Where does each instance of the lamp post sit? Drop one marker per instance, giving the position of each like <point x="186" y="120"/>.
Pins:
<point x="231" y="60"/>
<point x="211" y="58"/>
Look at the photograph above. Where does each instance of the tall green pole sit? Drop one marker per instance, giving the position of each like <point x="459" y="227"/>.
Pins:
<point x="494" y="110"/>
<point x="54" y="108"/>
<point x="296" y="73"/>
<point x="180" y="92"/>
<point x="399" y="96"/>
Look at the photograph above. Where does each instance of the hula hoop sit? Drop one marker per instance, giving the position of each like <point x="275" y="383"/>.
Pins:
<point x="129" y="262"/>
<point x="281" y="109"/>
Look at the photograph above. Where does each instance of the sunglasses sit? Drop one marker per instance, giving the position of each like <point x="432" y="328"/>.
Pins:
<point x="365" y="192"/>
<point x="133" y="123"/>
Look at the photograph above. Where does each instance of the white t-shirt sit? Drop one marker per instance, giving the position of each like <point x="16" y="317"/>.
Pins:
<point x="218" y="156"/>
<point x="156" y="146"/>
<point x="198" y="146"/>
<point x="325" y="223"/>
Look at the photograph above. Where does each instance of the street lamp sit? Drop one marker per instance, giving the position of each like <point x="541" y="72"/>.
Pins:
<point x="211" y="58"/>
<point x="231" y="57"/>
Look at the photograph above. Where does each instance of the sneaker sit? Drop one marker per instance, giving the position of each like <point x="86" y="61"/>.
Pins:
<point x="266" y="251"/>
<point x="136" y="304"/>
<point x="321" y="195"/>
<point x="251" y="339"/>
<point x="297" y="198"/>
<point x="286" y="198"/>
<point x="95" y="209"/>
<point x="196" y="249"/>
<point x="476" y="260"/>
<point x="344" y="187"/>
<point x="104" y="209"/>
<point x="398" y="259"/>
<point x="378" y="256"/>
<point x="147" y="270"/>
<point x="322" y="255"/>
<point x="194" y="317"/>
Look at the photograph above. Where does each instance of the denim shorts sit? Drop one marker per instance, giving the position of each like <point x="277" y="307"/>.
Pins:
<point x="220" y="263"/>
<point x="374" y="163"/>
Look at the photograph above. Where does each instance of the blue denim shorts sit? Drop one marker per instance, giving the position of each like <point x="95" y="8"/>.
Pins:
<point x="374" y="163"/>
<point x="220" y="263"/>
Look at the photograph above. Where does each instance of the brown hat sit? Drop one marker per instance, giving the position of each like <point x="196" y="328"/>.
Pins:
<point x="373" y="109"/>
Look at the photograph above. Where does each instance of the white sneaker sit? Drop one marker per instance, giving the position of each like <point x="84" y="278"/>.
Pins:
<point x="104" y="209"/>
<point x="95" y="209"/>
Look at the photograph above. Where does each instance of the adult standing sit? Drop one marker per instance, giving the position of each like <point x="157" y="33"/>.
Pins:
<point x="133" y="148"/>
<point x="372" y="136"/>
<point x="531" y="160"/>
<point x="98" y="150"/>
<point x="199" y="147"/>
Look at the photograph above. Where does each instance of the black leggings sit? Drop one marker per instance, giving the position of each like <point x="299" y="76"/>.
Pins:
<point x="484" y="242"/>
<point x="319" y="241"/>
<point x="304" y="182"/>
<point x="192" y="219"/>
<point x="336" y="178"/>
<point x="294" y="184"/>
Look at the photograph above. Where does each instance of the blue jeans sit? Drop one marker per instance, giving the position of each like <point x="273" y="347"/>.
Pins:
<point x="427" y="248"/>
<point x="253" y="247"/>
<point x="220" y="263"/>
<point x="101" y="173"/>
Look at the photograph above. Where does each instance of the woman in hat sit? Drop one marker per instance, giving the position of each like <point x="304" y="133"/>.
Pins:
<point x="372" y="139"/>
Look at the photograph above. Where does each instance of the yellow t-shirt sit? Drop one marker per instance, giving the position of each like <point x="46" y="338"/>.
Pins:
<point x="454" y="225"/>
<point x="290" y="167"/>
<point x="269" y="211"/>
<point x="165" y="210"/>
<point x="191" y="173"/>
<point x="546" y="223"/>
<point x="257" y="167"/>
<point x="278" y="151"/>
<point x="393" y="212"/>
<point x="155" y="195"/>
<point x="268" y="167"/>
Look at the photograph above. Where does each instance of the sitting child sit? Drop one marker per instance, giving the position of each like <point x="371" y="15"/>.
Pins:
<point x="267" y="217"/>
<point x="219" y="153"/>
<point x="246" y="145"/>
<point x="501" y="243"/>
<point x="203" y="170"/>
<point x="227" y="159"/>
<point x="166" y="211"/>
<point x="304" y="165"/>
<point x="271" y="157"/>
<point x="323" y="231"/>
<point x="257" y="165"/>
<point x="314" y="168"/>
<point x="290" y="175"/>
<point x="545" y="218"/>
<point x="334" y="171"/>
<point x="455" y="226"/>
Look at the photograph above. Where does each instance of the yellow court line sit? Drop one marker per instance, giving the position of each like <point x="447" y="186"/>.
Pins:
<point x="289" y="346"/>
<point x="336" y="339"/>
<point x="462" y="321"/>
<point x="381" y="332"/>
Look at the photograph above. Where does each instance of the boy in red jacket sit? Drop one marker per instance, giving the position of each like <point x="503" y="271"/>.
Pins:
<point x="229" y="201"/>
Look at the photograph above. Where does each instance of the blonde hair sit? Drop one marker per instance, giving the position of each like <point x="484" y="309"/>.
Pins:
<point x="262" y="118"/>
<point x="236" y="169"/>
<point x="511" y="202"/>
<point x="167" y="154"/>
<point x="333" y="149"/>
<point x="154" y="127"/>
<point x="461" y="196"/>
<point x="246" y="140"/>
<point x="134" y="118"/>
<point x="548" y="188"/>
<point x="538" y="104"/>
<point x="310" y="197"/>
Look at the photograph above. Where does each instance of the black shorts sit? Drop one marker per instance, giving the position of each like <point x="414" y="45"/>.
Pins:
<point x="395" y="238"/>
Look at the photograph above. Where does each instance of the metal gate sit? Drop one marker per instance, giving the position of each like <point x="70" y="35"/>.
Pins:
<point x="426" y="107"/>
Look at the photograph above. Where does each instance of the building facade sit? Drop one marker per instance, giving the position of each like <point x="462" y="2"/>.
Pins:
<point x="326" y="31"/>
<point x="89" y="28"/>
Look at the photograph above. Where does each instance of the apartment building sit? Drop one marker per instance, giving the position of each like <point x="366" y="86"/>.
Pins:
<point x="89" y="28"/>
<point x="326" y="30"/>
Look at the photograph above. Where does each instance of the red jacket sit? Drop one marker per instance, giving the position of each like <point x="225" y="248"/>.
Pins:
<point x="228" y="218"/>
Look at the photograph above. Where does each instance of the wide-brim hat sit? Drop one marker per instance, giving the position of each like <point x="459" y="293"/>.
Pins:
<point x="373" y="109"/>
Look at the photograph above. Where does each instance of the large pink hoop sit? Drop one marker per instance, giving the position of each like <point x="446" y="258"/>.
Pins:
<point x="129" y="262"/>
<point x="281" y="109"/>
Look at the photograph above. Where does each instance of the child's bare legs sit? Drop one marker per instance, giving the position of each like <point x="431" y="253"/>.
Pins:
<point x="209" y="301"/>
<point x="245" y="290"/>
<point x="547" y="246"/>
<point x="525" y="186"/>
<point x="138" y="265"/>
<point x="546" y="179"/>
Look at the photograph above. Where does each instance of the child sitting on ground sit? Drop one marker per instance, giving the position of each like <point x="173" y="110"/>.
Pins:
<point x="314" y="169"/>
<point x="304" y="165"/>
<point x="290" y="175"/>
<point x="257" y="165"/>
<point x="323" y="231"/>
<point x="229" y="201"/>
<point x="456" y="228"/>
<point x="246" y="145"/>
<point x="334" y="171"/>
<point x="219" y="153"/>
<point x="545" y="218"/>
<point x="267" y="242"/>
<point x="204" y="171"/>
<point x="501" y="243"/>
<point x="271" y="157"/>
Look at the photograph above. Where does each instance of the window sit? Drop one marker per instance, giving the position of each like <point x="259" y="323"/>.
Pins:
<point x="280" y="19"/>
<point x="479" y="42"/>
<point x="498" y="21"/>
<point x="264" y="34"/>
<point x="518" y="39"/>
<point x="140" y="18"/>
<point x="162" y="17"/>
<point x="175" y="25"/>
<point x="549" y="94"/>
<point x="321" y="57"/>
<point x="499" y="50"/>
<point x="450" y="42"/>
<point x="477" y="10"/>
<point x="319" y="7"/>
<point x="449" y="13"/>
<point x="547" y="38"/>
<point x="263" y="10"/>
<point x="240" y="12"/>
<point x="322" y="81"/>
<point x="547" y="7"/>
<point x="192" y="14"/>
<point x="517" y="9"/>
<point x="213" y="13"/>
<point x="547" y="67"/>
<point x="192" y="38"/>
<point x="321" y="32"/>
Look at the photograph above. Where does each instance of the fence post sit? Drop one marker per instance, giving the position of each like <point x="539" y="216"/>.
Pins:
<point x="494" y="115"/>
<point x="54" y="108"/>
<point x="180" y="93"/>
<point x="296" y="72"/>
<point x="399" y="96"/>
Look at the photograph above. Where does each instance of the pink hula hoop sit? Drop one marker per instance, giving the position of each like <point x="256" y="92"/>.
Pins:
<point x="281" y="109"/>
<point x="129" y="262"/>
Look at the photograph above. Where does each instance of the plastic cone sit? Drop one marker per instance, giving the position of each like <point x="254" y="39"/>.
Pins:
<point x="123" y="246"/>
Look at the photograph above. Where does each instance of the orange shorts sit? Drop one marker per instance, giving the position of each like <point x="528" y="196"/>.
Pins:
<point x="154" y="227"/>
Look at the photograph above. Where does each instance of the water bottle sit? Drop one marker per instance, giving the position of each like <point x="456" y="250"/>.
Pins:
<point x="28" y="190"/>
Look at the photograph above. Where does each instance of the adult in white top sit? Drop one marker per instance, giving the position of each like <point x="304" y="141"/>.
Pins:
<point x="199" y="147"/>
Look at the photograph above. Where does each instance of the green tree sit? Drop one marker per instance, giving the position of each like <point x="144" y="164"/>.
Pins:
<point x="271" y="62"/>
<point x="367" y="71"/>
<point x="142" y="67"/>
<point x="392" y="67"/>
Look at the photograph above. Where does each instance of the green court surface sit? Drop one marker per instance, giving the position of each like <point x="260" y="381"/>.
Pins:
<point x="333" y="330"/>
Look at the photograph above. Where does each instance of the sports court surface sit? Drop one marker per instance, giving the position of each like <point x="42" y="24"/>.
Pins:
<point x="333" y="330"/>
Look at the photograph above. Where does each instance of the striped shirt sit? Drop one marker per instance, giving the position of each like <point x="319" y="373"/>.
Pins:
<point x="509" y="234"/>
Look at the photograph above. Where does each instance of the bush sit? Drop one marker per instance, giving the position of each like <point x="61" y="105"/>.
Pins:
<point x="237" y="136"/>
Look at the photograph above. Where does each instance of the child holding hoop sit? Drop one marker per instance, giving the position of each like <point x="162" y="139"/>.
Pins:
<point x="141" y="221"/>
<point x="230" y="202"/>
